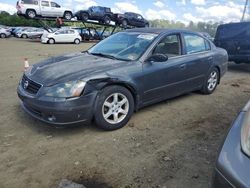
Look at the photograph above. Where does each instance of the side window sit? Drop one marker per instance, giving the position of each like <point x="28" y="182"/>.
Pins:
<point x="53" y="4"/>
<point x="195" y="43"/>
<point x="208" y="46"/>
<point x="169" y="45"/>
<point x="32" y="2"/>
<point x="45" y="3"/>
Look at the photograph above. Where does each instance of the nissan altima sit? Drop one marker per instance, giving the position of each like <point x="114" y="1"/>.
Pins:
<point x="119" y="75"/>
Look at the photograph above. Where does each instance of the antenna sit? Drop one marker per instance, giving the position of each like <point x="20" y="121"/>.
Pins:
<point x="245" y="11"/>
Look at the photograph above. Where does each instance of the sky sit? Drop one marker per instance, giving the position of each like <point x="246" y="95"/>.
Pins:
<point x="177" y="10"/>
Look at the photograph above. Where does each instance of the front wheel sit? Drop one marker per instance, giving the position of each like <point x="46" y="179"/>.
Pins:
<point x="114" y="107"/>
<point x="68" y="15"/>
<point x="51" y="41"/>
<point x="84" y="16"/>
<point x="24" y="36"/>
<point x="211" y="82"/>
<point x="124" y="23"/>
<point x="2" y="35"/>
<point x="77" y="41"/>
<point x="106" y="19"/>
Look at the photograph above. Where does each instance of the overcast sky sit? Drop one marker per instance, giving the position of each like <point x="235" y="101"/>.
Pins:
<point x="182" y="10"/>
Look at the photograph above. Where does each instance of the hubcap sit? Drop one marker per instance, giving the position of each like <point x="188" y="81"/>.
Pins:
<point x="31" y="14"/>
<point x="115" y="108"/>
<point x="212" y="81"/>
<point x="68" y="16"/>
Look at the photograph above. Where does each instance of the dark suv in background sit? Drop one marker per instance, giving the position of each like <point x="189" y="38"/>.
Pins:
<point x="130" y="19"/>
<point x="234" y="37"/>
<point x="98" y="13"/>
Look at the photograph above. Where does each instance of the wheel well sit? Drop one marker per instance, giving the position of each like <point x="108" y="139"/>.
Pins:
<point x="128" y="87"/>
<point x="219" y="71"/>
<point x="67" y="11"/>
<point x="30" y="9"/>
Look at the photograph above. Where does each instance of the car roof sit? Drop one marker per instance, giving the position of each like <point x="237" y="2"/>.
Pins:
<point x="160" y="30"/>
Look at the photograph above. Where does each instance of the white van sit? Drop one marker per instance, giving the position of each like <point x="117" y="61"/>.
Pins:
<point x="33" y="8"/>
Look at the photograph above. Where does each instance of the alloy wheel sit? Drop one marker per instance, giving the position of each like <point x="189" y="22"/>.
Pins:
<point x="115" y="108"/>
<point x="212" y="81"/>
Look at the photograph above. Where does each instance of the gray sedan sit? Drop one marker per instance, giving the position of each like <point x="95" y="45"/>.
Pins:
<point x="233" y="164"/>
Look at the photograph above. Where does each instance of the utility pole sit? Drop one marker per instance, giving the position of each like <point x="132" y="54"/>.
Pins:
<point x="245" y="11"/>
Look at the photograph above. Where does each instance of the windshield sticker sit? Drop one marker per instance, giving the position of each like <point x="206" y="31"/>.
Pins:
<point x="147" y="36"/>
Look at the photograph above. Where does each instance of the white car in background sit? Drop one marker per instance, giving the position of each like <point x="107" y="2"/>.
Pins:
<point x="62" y="36"/>
<point x="28" y="33"/>
<point x="4" y="33"/>
<point x="47" y="8"/>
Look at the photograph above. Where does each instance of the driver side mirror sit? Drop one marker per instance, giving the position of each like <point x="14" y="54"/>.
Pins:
<point x="157" y="58"/>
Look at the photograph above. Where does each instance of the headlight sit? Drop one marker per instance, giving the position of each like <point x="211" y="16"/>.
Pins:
<point x="245" y="131"/>
<point x="66" y="90"/>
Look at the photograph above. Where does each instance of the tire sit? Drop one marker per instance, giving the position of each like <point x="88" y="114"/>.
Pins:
<point x="84" y="16"/>
<point x="113" y="108"/>
<point x="31" y="14"/>
<point x="211" y="82"/>
<point x="77" y="41"/>
<point x="24" y="36"/>
<point x="106" y="19"/>
<point x="124" y="23"/>
<point x="67" y="15"/>
<point x="2" y="35"/>
<point x="51" y="41"/>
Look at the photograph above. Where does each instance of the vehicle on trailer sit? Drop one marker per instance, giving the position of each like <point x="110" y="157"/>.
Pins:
<point x="234" y="37"/>
<point x="34" y="8"/>
<point x="232" y="166"/>
<point x="61" y="36"/>
<point x="130" y="19"/>
<point x="121" y="74"/>
<point x="4" y="33"/>
<point x="29" y="33"/>
<point x="97" y="13"/>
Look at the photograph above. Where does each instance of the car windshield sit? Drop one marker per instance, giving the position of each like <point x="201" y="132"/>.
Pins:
<point x="127" y="46"/>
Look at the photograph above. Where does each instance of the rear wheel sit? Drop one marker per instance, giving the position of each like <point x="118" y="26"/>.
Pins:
<point x="114" y="107"/>
<point x="107" y="19"/>
<point x="77" y="41"/>
<point x="68" y="15"/>
<point x="85" y="16"/>
<point x="124" y="23"/>
<point x="211" y="82"/>
<point x="2" y="35"/>
<point x="31" y="14"/>
<point x="24" y="36"/>
<point x="51" y="41"/>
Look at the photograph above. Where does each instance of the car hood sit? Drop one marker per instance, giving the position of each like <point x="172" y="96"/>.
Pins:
<point x="73" y="67"/>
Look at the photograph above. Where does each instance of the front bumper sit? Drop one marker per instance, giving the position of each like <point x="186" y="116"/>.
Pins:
<point x="232" y="166"/>
<point x="63" y="112"/>
<point x="44" y="40"/>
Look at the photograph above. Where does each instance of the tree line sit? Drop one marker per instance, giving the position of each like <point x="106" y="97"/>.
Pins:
<point x="208" y="27"/>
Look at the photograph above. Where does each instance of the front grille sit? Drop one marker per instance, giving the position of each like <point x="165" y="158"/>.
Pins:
<point x="29" y="85"/>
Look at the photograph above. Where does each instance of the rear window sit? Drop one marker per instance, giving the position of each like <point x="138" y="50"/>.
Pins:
<point x="233" y="31"/>
<point x="31" y="2"/>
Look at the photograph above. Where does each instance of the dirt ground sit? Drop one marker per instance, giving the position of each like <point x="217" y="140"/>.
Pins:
<point x="172" y="144"/>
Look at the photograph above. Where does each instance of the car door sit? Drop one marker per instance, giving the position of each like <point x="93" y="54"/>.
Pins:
<point x="45" y="8"/>
<point x="198" y="59"/>
<point x="56" y="9"/>
<point x="60" y="36"/>
<point x="165" y="79"/>
<point x="139" y="20"/>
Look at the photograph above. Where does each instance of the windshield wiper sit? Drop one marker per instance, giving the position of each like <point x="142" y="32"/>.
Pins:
<point x="104" y="55"/>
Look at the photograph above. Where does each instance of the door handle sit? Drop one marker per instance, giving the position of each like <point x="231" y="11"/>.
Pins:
<point x="183" y="66"/>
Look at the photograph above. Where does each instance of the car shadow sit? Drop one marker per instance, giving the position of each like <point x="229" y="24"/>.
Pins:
<point x="244" y="67"/>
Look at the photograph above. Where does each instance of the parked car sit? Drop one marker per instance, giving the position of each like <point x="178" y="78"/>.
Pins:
<point x="62" y="36"/>
<point x="34" y="8"/>
<point x="4" y="33"/>
<point x="130" y="19"/>
<point x="121" y="74"/>
<point x="234" y="37"/>
<point x="29" y="33"/>
<point x="98" y="13"/>
<point x="232" y="166"/>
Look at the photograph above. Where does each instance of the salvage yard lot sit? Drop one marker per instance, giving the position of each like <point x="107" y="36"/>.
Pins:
<point x="170" y="144"/>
